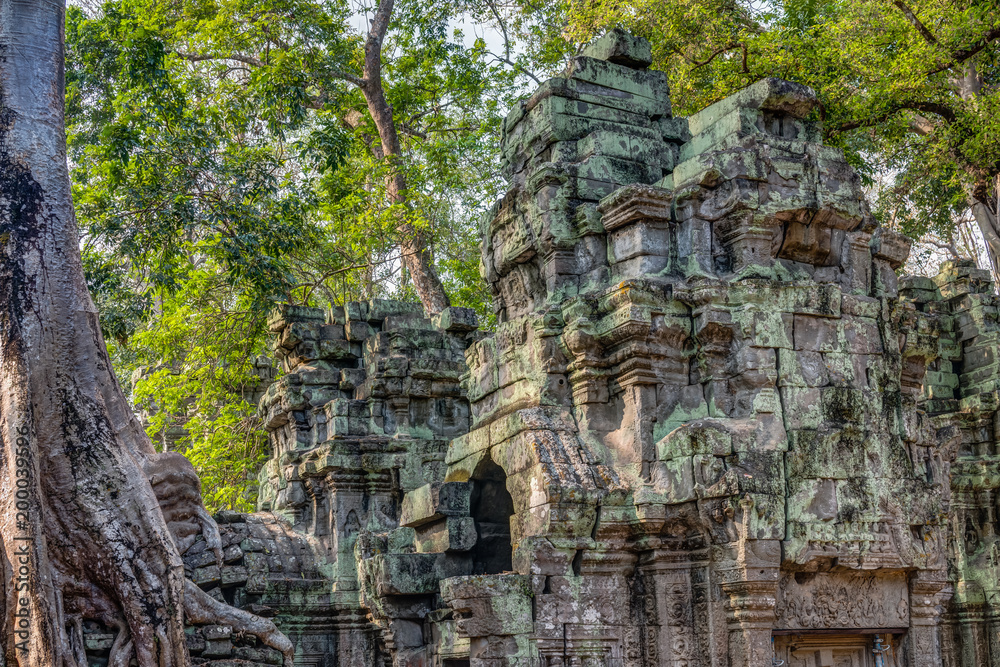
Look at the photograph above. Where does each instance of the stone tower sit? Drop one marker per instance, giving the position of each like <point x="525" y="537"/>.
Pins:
<point x="711" y="429"/>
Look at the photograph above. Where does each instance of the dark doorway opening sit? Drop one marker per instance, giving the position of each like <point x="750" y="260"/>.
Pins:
<point x="491" y="507"/>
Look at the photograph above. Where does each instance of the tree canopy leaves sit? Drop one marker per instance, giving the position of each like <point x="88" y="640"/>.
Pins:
<point x="225" y="160"/>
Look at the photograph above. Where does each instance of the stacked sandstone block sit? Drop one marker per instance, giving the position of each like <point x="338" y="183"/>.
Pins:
<point x="710" y="422"/>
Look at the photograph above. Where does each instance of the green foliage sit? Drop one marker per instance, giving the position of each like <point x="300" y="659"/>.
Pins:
<point x="224" y="161"/>
<point x="196" y="383"/>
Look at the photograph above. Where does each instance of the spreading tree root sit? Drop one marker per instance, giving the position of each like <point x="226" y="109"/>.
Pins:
<point x="200" y="607"/>
<point x="178" y="490"/>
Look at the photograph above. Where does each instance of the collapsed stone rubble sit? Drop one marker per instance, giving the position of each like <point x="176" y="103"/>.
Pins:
<point x="711" y="427"/>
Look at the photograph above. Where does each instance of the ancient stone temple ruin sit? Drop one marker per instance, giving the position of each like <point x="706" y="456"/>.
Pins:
<point x="711" y="428"/>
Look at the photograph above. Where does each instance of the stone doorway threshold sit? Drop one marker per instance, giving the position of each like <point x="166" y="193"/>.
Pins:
<point x="835" y="649"/>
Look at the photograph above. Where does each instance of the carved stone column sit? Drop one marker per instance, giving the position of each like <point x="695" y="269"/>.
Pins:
<point x="670" y="632"/>
<point x="347" y="513"/>
<point x="639" y="384"/>
<point x="751" y="618"/>
<point x="929" y="592"/>
<point x="993" y="632"/>
<point x="752" y="588"/>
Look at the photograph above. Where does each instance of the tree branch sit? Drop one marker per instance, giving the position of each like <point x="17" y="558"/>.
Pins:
<point x="921" y="125"/>
<point x="935" y="108"/>
<point x="413" y="132"/>
<point x="373" y="45"/>
<point x="199" y="57"/>
<point x="506" y="45"/>
<point x="916" y="23"/>
<point x="523" y="70"/>
<point x="720" y="51"/>
<point x="957" y="57"/>
<point x="503" y="28"/>
<point x="960" y="56"/>
<point x="950" y="247"/>
<point x="256" y="62"/>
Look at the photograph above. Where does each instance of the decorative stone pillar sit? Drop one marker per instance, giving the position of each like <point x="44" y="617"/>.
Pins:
<point x="929" y="592"/>
<point x="346" y="507"/>
<point x="992" y="623"/>
<point x="639" y="384"/>
<point x="671" y="635"/>
<point x="752" y="589"/>
<point x="357" y="640"/>
<point x="751" y="617"/>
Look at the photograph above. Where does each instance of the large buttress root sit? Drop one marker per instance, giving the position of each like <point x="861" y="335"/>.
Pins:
<point x="178" y="489"/>
<point x="122" y="649"/>
<point x="200" y="607"/>
<point x="74" y="503"/>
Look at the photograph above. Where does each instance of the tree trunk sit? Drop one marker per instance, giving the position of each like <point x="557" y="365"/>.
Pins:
<point x="985" y="206"/>
<point x="413" y="243"/>
<point x="82" y="531"/>
<point x="78" y="516"/>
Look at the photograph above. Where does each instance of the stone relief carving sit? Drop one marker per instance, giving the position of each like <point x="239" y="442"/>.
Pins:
<point x="842" y="600"/>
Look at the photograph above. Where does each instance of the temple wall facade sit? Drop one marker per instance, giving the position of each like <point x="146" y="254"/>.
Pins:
<point x="712" y="428"/>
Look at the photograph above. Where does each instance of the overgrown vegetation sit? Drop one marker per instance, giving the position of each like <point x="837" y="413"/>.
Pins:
<point x="225" y="158"/>
<point x="224" y="161"/>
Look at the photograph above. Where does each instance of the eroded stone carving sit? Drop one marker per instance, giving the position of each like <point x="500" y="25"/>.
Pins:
<point x="710" y="412"/>
<point x="825" y="600"/>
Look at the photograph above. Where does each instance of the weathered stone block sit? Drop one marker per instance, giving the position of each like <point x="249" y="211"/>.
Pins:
<point x="818" y="334"/>
<point x="619" y="47"/>
<point x="207" y="576"/>
<point x="450" y="534"/>
<point x="434" y="501"/>
<point x="457" y="319"/>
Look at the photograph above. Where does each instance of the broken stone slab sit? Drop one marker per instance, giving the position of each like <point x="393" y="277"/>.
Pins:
<point x="589" y="103"/>
<point x="621" y="48"/>
<point x="207" y="576"/>
<point x="650" y="84"/>
<point x="218" y="640"/>
<point x="451" y="534"/>
<point x="485" y="586"/>
<point x="379" y="309"/>
<point x="402" y="540"/>
<point x="635" y="202"/>
<point x="286" y="314"/>
<point x="628" y="146"/>
<point x="262" y="656"/>
<point x="770" y="94"/>
<point x="233" y="574"/>
<point x="416" y="573"/>
<point x="892" y="247"/>
<point x="431" y="502"/>
<point x="456" y="319"/>
<point x="359" y="330"/>
<point x="103" y="642"/>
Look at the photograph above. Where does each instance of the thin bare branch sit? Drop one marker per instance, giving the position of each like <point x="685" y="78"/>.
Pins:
<point x="729" y="47"/>
<point x="917" y="23"/>
<point x="516" y="66"/>
<point x="413" y="132"/>
<point x="240" y="58"/>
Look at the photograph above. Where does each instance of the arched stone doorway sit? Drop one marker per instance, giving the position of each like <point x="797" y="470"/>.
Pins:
<point x="491" y="507"/>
